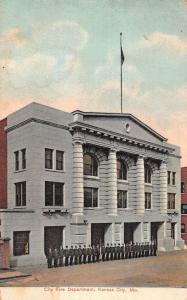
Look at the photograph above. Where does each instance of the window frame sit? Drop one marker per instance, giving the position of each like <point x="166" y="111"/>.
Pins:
<point x="173" y="178"/>
<point x="169" y="177"/>
<point x="183" y="209"/>
<point x="23" y="159"/>
<point x="92" y="189"/>
<point x="20" y="194"/>
<point x="122" y="170"/>
<point x="16" y="157"/>
<point x="147" y="174"/>
<point x="182" y="187"/>
<point x="148" y="200"/>
<point x="60" y="161"/>
<point x="124" y="199"/>
<point x="171" y="202"/>
<point x="93" y="166"/>
<point x="53" y="196"/>
<point x="49" y="160"/>
<point x="26" y="242"/>
<point x="183" y="228"/>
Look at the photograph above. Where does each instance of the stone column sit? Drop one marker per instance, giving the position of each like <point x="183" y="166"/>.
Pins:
<point x="140" y="195"/>
<point x="163" y="188"/>
<point x="77" y="180"/>
<point x="112" y="184"/>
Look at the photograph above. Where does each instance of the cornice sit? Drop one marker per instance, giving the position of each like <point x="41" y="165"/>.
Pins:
<point x="111" y="135"/>
<point x="36" y="120"/>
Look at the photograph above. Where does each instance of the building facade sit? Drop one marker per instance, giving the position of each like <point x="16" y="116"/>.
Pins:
<point x="184" y="204"/>
<point x="85" y="178"/>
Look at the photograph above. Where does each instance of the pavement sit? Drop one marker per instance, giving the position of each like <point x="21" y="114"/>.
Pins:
<point x="168" y="269"/>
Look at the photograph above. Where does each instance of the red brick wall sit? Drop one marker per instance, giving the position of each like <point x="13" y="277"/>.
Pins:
<point x="184" y="201"/>
<point x="3" y="164"/>
<point x="4" y="254"/>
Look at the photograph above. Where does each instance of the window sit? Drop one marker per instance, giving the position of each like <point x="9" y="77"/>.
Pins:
<point x="121" y="170"/>
<point x="54" y="193"/>
<point x="173" y="230"/>
<point x="184" y="209"/>
<point x="122" y="199"/>
<point x="20" y="243"/>
<point x="48" y="158"/>
<point x="171" y="201"/>
<point x="20" y="193"/>
<point x="169" y="177"/>
<point x="173" y="178"/>
<point x="23" y="151"/>
<point x="182" y="228"/>
<point x="16" y="160"/>
<point x="147" y="200"/>
<point x="90" y="197"/>
<point x="90" y="165"/>
<point x="182" y="188"/>
<point x="147" y="174"/>
<point x="59" y="160"/>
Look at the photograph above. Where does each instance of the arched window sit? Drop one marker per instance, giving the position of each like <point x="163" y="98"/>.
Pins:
<point x="90" y="165"/>
<point x="148" y="174"/>
<point x="121" y="170"/>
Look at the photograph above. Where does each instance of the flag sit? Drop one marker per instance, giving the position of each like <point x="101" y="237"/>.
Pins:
<point x="122" y="56"/>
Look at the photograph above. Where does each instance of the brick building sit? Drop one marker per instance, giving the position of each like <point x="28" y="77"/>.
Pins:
<point x="184" y="203"/>
<point x="85" y="178"/>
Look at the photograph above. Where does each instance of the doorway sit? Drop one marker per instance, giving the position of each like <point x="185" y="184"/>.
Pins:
<point x="98" y="233"/>
<point x="129" y="229"/>
<point x="154" y="232"/>
<point x="53" y="237"/>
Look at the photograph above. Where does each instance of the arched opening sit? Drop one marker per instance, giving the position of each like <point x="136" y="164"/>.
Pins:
<point x="121" y="170"/>
<point x="148" y="174"/>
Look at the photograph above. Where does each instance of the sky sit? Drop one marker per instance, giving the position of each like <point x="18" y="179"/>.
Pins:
<point x="66" y="54"/>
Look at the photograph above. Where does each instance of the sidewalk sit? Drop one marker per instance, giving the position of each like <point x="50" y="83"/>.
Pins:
<point x="11" y="274"/>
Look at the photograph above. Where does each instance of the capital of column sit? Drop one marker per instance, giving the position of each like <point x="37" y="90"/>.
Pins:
<point x="77" y="142"/>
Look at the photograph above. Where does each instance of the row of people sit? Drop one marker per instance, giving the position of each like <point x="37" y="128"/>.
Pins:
<point x="78" y="255"/>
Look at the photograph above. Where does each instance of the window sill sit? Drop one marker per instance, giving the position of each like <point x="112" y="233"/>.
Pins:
<point x="20" y="171"/>
<point x="172" y="185"/>
<point x="122" y="181"/>
<point x="125" y="209"/>
<point x="148" y="209"/>
<point x="91" y="177"/>
<point x="53" y="170"/>
<point x="93" y="208"/>
<point x="148" y="184"/>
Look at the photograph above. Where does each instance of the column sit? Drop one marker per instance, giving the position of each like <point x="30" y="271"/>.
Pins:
<point x="140" y="195"/>
<point x="112" y="183"/>
<point x="77" y="180"/>
<point x="163" y="188"/>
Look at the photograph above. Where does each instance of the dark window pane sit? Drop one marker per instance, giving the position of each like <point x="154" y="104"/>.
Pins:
<point x="171" y="201"/>
<point x="59" y="160"/>
<point x="121" y="170"/>
<point x="147" y="174"/>
<point x="58" y="194"/>
<point x="18" y="194"/>
<point x="87" y="197"/>
<point x="48" y="193"/>
<point x="20" y="243"/>
<point x="48" y="158"/>
<point x="182" y="187"/>
<point x="95" y="197"/>
<point x="182" y="228"/>
<point x="173" y="178"/>
<point x="90" y="165"/>
<point x="169" y="177"/>
<point x="23" y="158"/>
<point x="184" y="208"/>
<point x="23" y="193"/>
<point x="16" y="160"/>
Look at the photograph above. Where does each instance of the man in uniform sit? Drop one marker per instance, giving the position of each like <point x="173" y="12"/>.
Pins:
<point x="71" y="254"/>
<point x="84" y="251"/>
<point x="89" y="254"/>
<point x="56" y="256"/>
<point x="76" y="254"/>
<point x="118" y="251"/>
<point x="154" y="249"/>
<point x="111" y="252"/>
<point x="66" y="254"/>
<point x="107" y="250"/>
<point x="127" y="246"/>
<point x="103" y="252"/>
<point x="80" y="254"/>
<point x="122" y="251"/>
<point x="61" y="250"/>
<point x="49" y="257"/>
<point x="115" y="251"/>
<point x="97" y="253"/>
<point x="93" y="253"/>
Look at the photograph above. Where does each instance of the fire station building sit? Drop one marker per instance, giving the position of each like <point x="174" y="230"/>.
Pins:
<point x="85" y="178"/>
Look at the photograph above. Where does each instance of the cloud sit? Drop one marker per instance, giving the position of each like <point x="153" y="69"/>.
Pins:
<point x="63" y="34"/>
<point x="11" y="39"/>
<point x="165" y="41"/>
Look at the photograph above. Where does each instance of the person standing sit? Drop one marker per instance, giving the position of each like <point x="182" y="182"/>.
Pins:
<point x="111" y="252"/>
<point x="61" y="250"/>
<point x="84" y="251"/>
<point x="49" y="257"/>
<point x="89" y="254"/>
<point x="76" y="254"/>
<point x="122" y="251"/>
<point x="118" y="251"/>
<point x="103" y="252"/>
<point x="93" y="254"/>
<point x="107" y="250"/>
<point x="80" y="254"/>
<point x="56" y="257"/>
<point x="71" y="255"/>
<point x="97" y="252"/>
<point x="66" y="254"/>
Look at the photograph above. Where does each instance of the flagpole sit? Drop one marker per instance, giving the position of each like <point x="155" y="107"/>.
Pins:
<point x="121" y="73"/>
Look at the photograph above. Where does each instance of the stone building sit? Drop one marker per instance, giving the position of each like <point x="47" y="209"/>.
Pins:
<point x="85" y="178"/>
<point x="184" y="204"/>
